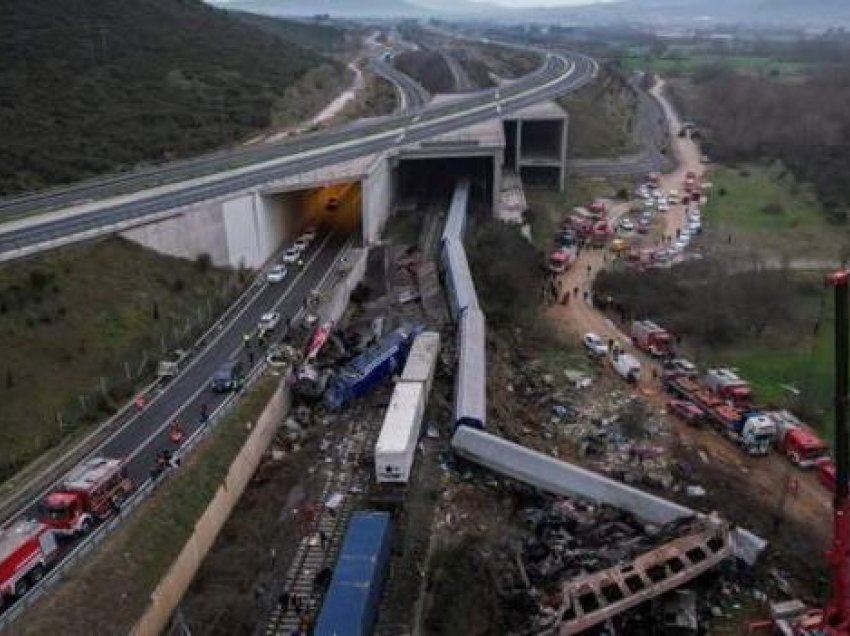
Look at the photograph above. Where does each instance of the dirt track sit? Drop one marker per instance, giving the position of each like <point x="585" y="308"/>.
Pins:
<point x="766" y="477"/>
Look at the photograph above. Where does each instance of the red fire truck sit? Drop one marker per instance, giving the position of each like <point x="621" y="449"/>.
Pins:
<point x="27" y="548"/>
<point x="91" y="492"/>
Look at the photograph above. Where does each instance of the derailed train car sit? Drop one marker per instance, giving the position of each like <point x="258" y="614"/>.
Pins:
<point x="470" y="400"/>
<point x="470" y="403"/>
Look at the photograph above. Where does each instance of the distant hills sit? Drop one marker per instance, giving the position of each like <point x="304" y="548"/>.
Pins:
<point x="792" y="13"/>
<point x="90" y="86"/>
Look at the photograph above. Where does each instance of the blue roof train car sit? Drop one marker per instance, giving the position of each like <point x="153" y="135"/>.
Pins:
<point x="351" y="604"/>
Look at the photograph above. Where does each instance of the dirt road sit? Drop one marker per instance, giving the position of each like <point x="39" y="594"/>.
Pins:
<point x="766" y="477"/>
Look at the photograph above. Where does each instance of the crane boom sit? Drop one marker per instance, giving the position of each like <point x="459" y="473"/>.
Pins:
<point x="837" y="609"/>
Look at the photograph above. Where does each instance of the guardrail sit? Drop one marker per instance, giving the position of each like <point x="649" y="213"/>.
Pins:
<point x="106" y="529"/>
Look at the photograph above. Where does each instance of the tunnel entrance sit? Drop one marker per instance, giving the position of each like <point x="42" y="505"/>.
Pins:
<point x="333" y="208"/>
<point x="426" y="185"/>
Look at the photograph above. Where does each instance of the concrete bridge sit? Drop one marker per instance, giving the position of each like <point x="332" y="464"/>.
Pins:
<point x="241" y="206"/>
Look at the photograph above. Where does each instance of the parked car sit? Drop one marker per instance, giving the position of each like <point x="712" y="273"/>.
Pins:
<point x="228" y="377"/>
<point x="663" y="206"/>
<point x="643" y="226"/>
<point x="301" y="243"/>
<point x="687" y="411"/>
<point x="332" y="203"/>
<point x="595" y="346"/>
<point x="276" y="274"/>
<point x="626" y="225"/>
<point x="309" y="233"/>
<point x="291" y="255"/>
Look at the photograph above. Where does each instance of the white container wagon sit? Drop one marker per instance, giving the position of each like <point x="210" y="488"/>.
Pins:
<point x="396" y="445"/>
<point x="422" y="360"/>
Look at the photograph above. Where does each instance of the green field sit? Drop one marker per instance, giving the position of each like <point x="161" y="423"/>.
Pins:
<point x="72" y="316"/>
<point x="759" y="198"/>
<point x="689" y="62"/>
<point x="766" y="209"/>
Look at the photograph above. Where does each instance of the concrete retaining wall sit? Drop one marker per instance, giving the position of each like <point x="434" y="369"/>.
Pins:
<point x="337" y="296"/>
<point x="173" y="586"/>
<point x="377" y="199"/>
<point x="562" y="478"/>
<point x="242" y="232"/>
<point x="187" y="235"/>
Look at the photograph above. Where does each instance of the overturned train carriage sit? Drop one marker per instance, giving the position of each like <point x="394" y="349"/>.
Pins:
<point x="470" y="407"/>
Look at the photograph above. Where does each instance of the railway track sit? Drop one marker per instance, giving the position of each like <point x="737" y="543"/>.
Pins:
<point x="347" y="477"/>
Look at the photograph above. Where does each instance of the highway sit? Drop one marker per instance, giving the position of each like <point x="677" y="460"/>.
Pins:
<point x="558" y="75"/>
<point x="145" y="435"/>
<point x="413" y="95"/>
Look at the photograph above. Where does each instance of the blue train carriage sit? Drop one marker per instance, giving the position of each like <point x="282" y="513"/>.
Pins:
<point x="470" y="408"/>
<point x="351" y="603"/>
<point x="458" y="277"/>
<point x="371" y="367"/>
<point x="456" y="222"/>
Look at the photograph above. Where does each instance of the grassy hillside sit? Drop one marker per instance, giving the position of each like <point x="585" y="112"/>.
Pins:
<point x="308" y="34"/>
<point x="601" y="117"/>
<point x="74" y="315"/>
<point x="90" y="86"/>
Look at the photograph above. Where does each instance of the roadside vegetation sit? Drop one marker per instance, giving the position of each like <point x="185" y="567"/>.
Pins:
<point x="378" y="97"/>
<point x="105" y="85"/>
<point x="602" y="117"/>
<point x="306" y="97"/>
<point x="428" y="67"/>
<point x="108" y="592"/>
<point x="74" y="320"/>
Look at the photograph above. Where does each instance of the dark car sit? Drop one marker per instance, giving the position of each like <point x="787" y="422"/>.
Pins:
<point x="229" y="377"/>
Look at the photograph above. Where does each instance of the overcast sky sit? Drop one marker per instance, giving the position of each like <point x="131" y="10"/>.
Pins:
<point x="541" y="3"/>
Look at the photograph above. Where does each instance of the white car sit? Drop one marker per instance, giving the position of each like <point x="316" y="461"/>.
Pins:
<point x="680" y="245"/>
<point x="663" y="207"/>
<point x="694" y="227"/>
<point x="301" y="243"/>
<point x="269" y="321"/>
<point x="595" y="346"/>
<point x="626" y="225"/>
<point x="309" y="234"/>
<point x="276" y="274"/>
<point x="291" y="255"/>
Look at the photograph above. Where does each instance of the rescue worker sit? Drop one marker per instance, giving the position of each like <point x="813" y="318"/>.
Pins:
<point x="246" y="340"/>
<point x="175" y="434"/>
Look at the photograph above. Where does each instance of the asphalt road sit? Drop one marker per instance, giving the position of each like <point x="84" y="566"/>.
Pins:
<point x="415" y="97"/>
<point x="360" y="141"/>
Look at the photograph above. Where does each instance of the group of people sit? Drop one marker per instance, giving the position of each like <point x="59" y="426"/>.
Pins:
<point x="553" y="289"/>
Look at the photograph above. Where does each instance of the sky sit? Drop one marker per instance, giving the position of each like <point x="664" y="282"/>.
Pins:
<point x="541" y="3"/>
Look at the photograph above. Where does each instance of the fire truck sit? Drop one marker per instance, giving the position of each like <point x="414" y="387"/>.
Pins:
<point x="91" y="492"/>
<point x="27" y="549"/>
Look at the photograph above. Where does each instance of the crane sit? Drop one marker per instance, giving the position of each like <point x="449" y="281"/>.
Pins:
<point x="836" y="612"/>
